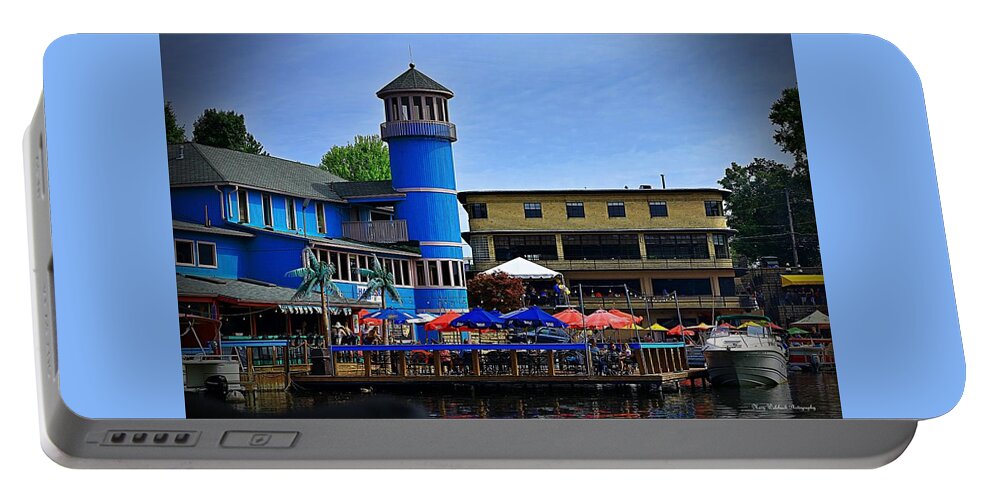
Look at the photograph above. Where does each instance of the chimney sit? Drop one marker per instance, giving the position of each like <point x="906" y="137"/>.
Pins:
<point x="663" y="180"/>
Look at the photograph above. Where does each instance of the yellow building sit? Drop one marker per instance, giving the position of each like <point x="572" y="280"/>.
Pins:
<point x="654" y="241"/>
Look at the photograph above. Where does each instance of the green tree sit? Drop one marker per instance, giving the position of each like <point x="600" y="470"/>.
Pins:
<point x="496" y="291"/>
<point x="175" y="133"/>
<point x="225" y="129"/>
<point x="786" y="116"/>
<point x="317" y="276"/>
<point x="366" y="159"/>
<point x="757" y="205"/>
<point x="380" y="281"/>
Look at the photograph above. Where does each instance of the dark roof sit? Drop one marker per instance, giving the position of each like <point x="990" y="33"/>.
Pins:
<point x="362" y="189"/>
<point x="250" y="291"/>
<point x="397" y="249"/>
<point x="193" y="164"/>
<point x="413" y="80"/>
<point x="200" y="228"/>
<point x="539" y="192"/>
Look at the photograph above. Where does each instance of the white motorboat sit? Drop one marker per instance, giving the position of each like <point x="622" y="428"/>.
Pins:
<point x="743" y="350"/>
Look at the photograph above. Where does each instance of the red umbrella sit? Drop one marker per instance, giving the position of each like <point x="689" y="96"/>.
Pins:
<point x="442" y="322"/>
<point x="571" y="317"/>
<point x="603" y="319"/>
<point x="622" y="314"/>
<point x="775" y="326"/>
<point x="368" y="321"/>
<point x="676" y="330"/>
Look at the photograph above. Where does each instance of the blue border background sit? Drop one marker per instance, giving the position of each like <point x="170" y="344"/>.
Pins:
<point x="886" y="270"/>
<point x="886" y="264"/>
<point x="115" y="277"/>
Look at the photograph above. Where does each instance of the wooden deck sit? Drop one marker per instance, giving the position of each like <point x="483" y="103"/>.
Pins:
<point x="331" y="381"/>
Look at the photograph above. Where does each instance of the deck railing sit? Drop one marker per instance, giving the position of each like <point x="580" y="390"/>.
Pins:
<point x="377" y="231"/>
<point x="619" y="264"/>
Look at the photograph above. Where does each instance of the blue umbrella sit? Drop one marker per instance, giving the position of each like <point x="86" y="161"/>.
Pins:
<point x="477" y="318"/>
<point x="392" y="315"/>
<point x="532" y="316"/>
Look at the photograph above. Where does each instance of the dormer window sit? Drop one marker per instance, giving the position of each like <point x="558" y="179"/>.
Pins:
<point x="291" y="214"/>
<point x="243" y="206"/>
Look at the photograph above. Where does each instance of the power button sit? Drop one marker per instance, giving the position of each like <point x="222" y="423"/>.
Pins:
<point x="258" y="439"/>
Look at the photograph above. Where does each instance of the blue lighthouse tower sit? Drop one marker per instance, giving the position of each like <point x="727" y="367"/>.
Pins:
<point x="420" y="136"/>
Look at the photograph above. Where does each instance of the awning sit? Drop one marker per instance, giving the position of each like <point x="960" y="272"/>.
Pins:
<point x="295" y="309"/>
<point x="802" y="279"/>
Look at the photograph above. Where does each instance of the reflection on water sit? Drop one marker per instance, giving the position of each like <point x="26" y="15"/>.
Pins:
<point x="805" y="396"/>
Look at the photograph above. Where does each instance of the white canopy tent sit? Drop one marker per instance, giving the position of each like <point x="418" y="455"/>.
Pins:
<point x="524" y="269"/>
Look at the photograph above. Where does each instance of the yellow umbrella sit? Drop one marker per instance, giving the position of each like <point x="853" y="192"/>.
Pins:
<point x="658" y="328"/>
<point x="701" y="326"/>
<point x="749" y="323"/>
<point x="635" y="327"/>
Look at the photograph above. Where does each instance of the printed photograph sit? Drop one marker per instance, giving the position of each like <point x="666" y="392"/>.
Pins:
<point x="494" y="226"/>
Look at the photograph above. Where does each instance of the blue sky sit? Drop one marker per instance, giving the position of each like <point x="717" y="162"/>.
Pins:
<point x="532" y="111"/>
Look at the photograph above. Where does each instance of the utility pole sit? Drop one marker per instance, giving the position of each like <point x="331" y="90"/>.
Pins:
<point x="789" y="215"/>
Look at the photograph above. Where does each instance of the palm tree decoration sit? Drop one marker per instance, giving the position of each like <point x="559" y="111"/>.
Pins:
<point x="317" y="276"/>
<point x="381" y="281"/>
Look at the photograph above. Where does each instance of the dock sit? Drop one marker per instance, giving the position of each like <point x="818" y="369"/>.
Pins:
<point x="493" y="365"/>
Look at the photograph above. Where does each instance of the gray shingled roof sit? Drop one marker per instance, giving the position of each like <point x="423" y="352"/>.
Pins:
<point x="257" y="292"/>
<point x="200" y="228"/>
<point x="413" y="80"/>
<point x="193" y="164"/>
<point x="364" y="188"/>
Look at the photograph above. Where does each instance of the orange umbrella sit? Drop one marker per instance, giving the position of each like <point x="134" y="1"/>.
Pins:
<point x="603" y="319"/>
<point x="676" y="330"/>
<point x="571" y="317"/>
<point x="368" y="321"/>
<point x="442" y="322"/>
<point x="622" y="314"/>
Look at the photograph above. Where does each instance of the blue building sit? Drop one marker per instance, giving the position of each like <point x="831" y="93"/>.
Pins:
<point x="241" y="221"/>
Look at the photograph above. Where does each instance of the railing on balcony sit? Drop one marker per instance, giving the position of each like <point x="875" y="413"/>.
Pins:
<point x="685" y="302"/>
<point x="424" y="128"/>
<point x="377" y="231"/>
<point x="619" y="264"/>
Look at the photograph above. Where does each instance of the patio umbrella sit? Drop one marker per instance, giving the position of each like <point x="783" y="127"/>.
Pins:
<point x="571" y="317"/>
<point x="775" y="326"/>
<point x="701" y="326"/>
<point x="676" y="330"/>
<point x="442" y="322"/>
<point x="532" y="316"/>
<point x="392" y="315"/>
<point x="797" y="331"/>
<point x="748" y="324"/>
<point x="366" y="320"/>
<point x="658" y="328"/>
<point x="603" y="319"/>
<point x="477" y="318"/>
<point x="622" y="314"/>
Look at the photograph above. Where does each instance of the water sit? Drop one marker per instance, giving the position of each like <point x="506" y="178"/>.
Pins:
<point x="807" y="395"/>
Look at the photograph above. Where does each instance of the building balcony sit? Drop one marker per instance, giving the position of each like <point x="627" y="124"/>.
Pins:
<point x="377" y="231"/>
<point x="619" y="264"/>
<point x="418" y="128"/>
<point x="658" y="303"/>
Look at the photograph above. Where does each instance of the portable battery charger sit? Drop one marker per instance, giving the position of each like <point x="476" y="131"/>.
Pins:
<point x="633" y="251"/>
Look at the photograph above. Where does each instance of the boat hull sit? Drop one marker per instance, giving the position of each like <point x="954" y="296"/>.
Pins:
<point x="745" y="368"/>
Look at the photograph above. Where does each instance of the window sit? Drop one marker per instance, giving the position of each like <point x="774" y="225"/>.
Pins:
<point x="242" y="205"/>
<point x="537" y="247"/>
<point x="267" y="209"/>
<point x="683" y="287"/>
<point x="615" y="209"/>
<point x="721" y="246"/>
<point x="434" y="274"/>
<point x="405" y="108"/>
<point x="480" y="247"/>
<point x="532" y="210"/>
<point x="206" y="254"/>
<point x="421" y="275"/>
<point x="394" y="108"/>
<point x="600" y="246"/>
<point x="575" y="210"/>
<point x="446" y="273"/>
<point x="658" y="209"/>
<point x="429" y="103"/>
<point x="444" y="109"/>
<point x="477" y="211"/>
<point x="291" y="214"/>
<point x="714" y="208"/>
<point x="184" y="253"/>
<point x="676" y="246"/>
<point x="418" y="114"/>
<point x="322" y="223"/>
